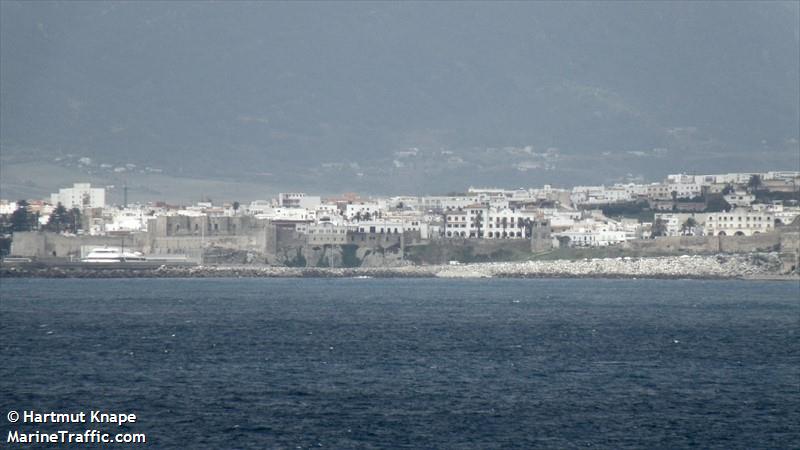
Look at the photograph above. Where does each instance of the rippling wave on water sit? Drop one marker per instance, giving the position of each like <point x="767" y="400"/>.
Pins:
<point x="386" y="363"/>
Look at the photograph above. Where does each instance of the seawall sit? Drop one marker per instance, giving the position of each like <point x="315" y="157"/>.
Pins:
<point x="759" y="266"/>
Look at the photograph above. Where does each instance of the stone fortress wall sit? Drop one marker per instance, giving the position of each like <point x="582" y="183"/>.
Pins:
<point x="244" y="239"/>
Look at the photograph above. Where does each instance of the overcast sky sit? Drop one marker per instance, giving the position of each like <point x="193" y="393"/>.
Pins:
<point x="402" y="97"/>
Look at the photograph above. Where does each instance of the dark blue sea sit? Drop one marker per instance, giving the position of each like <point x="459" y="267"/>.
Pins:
<point x="400" y="363"/>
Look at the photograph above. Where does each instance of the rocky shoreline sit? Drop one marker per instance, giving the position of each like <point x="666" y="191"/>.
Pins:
<point x="764" y="266"/>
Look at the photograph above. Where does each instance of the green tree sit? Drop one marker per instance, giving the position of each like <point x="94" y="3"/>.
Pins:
<point x="528" y="224"/>
<point x="688" y="226"/>
<point x="22" y="219"/>
<point x="659" y="228"/>
<point x="477" y="223"/>
<point x="59" y="219"/>
<point x="5" y="234"/>
<point x="716" y="203"/>
<point x="754" y="183"/>
<point x="73" y="220"/>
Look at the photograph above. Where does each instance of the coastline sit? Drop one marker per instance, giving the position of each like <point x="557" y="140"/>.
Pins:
<point x="756" y="267"/>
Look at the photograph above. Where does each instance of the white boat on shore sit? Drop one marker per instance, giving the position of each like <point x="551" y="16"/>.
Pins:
<point x="112" y="255"/>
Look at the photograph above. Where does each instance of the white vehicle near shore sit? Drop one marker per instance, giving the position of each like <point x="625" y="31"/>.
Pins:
<point x="112" y="255"/>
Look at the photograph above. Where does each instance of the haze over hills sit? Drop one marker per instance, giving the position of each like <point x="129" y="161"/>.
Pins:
<point x="253" y="98"/>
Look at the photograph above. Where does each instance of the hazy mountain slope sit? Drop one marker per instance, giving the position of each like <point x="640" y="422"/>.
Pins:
<point x="389" y="97"/>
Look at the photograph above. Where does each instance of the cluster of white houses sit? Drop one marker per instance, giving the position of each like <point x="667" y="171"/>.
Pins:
<point x="740" y="221"/>
<point x="682" y="186"/>
<point x="476" y="214"/>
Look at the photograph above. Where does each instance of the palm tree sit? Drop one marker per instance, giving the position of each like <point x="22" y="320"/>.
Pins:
<point x="688" y="226"/>
<point x="754" y="183"/>
<point x="659" y="228"/>
<point x="477" y="223"/>
<point x="74" y="220"/>
<point x="528" y="223"/>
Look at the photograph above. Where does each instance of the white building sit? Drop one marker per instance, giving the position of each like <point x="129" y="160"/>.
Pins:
<point x="290" y="199"/>
<point x="739" y="222"/>
<point x="405" y="202"/>
<point x="780" y="175"/>
<point x="7" y="207"/>
<point x="480" y="221"/>
<point x="363" y="209"/>
<point x="561" y="219"/>
<point x="380" y="226"/>
<point x="597" y="195"/>
<point x="458" y="223"/>
<point x="326" y="233"/>
<point x="442" y="203"/>
<point x="664" y="191"/>
<point x="298" y="200"/>
<point x="80" y="195"/>
<point x="676" y="224"/>
<point x="594" y="233"/>
<point x="681" y="178"/>
<point x="129" y="219"/>
<point x="329" y="213"/>
<point x="725" y="178"/>
<point x="411" y="220"/>
<point x="505" y="224"/>
<point x="289" y="215"/>
<point x="740" y="198"/>
<point x="783" y="214"/>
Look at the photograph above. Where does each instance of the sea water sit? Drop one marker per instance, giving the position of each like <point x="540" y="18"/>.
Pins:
<point x="388" y="363"/>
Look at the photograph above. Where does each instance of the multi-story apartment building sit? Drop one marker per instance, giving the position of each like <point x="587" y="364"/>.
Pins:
<point x="80" y="195"/>
<point x="298" y="200"/>
<point x="505" y="224"/>
<point x="480" y="221"/>
<point x="457" y="224"/>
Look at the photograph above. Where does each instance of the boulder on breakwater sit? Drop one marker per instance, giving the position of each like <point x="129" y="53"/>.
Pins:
<point x="758" y="265"/>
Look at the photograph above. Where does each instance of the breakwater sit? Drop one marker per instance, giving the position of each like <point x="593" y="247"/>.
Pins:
<point x="723" y="266"/>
